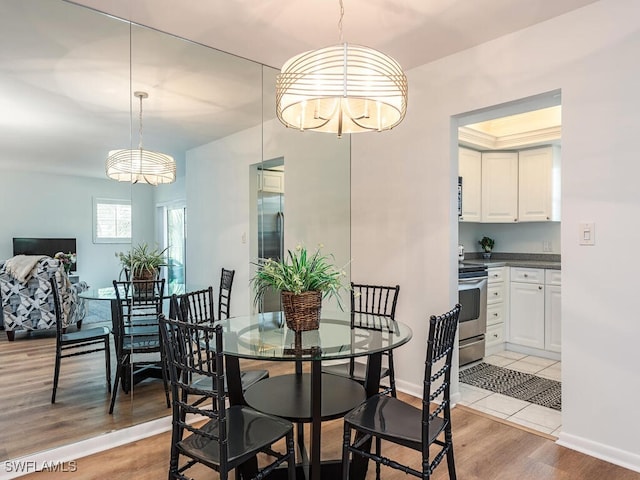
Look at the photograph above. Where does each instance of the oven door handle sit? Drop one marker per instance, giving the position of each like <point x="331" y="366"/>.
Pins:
<point x="471" y="282"/>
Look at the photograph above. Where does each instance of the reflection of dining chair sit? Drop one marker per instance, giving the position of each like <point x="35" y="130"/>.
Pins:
<point x="197" y="307"/>
<point x="376" y="300"/>
<point x="81" y="342"/>
<point x="387" y="418"/>
<point x="230" y="436"/>
<point x="135" y="330"/>
<point x="224" y="294"/>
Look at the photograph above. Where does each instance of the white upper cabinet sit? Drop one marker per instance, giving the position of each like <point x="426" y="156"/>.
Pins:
<point x="499" y="187"/>
<point x="539" y="185"/>
<point x="271" y="181"/>
<point x="470" y="169"/>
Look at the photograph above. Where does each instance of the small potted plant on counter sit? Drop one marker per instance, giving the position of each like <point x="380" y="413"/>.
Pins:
<point x="487" y="244"/>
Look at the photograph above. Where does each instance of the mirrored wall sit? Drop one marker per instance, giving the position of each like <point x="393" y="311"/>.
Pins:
<point x="67" y="84"/>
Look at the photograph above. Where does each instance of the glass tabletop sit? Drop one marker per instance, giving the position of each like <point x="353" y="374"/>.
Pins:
<point x="267" y="337"/>
<point x="108" y="293"/>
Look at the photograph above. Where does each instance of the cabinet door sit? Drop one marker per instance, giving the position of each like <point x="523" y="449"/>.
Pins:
<point x="499" y="187"/>
<point x="271" y="181"/>
<point x="552" y="328"/>
<point x="526" y="319"/>
<point x="469" y="167"/>
<point x="536" y="185"/>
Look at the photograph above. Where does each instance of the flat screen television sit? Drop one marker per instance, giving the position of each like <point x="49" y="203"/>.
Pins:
<point x="44" y="246"/>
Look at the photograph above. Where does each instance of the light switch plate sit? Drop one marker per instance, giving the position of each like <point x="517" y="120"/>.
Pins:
<point x="587" y="233"/>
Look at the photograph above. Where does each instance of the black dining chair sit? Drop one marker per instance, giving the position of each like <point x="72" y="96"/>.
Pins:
<point x="229" y="436"/>
<point x="376" y="300"/>
<point x="81" y="342"/>
<point x="224" y="293"/>
<point x="387" y="418"/>
<point x="136" y="330"/>
<point x="197" y="307"/>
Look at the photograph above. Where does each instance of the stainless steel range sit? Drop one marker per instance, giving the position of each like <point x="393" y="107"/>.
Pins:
<point x="472" y="295"/>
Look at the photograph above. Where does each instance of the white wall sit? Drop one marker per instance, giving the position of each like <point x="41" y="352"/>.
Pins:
<point x="47" y="205"/>
<point x="404" y="227"/>
<point x="522" y="237"/>
<point x="217" y="184"/>
<point x="218" y="201"/>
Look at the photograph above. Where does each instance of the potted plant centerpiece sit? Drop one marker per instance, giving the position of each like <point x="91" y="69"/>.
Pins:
<point x="143" y="261"/>
<point x="487" y="244"/>
<point x="303" y="280"/>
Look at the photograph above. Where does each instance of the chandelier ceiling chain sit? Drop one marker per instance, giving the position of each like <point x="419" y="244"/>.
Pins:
<point x="140" y="166"/>
<point x="341" y="89"/>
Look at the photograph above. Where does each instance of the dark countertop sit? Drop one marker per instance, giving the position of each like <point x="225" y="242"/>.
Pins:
<point x="527" y="260"/>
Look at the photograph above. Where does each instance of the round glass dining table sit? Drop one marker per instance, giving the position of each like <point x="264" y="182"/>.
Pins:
<point x="308" y="395"/>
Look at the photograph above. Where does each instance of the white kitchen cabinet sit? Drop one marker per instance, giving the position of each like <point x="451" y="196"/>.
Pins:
<point x="499" y="187"/>
<point x="496" y="294"/>
<point x="552" y="315"/>
<point x="271" y="181"/>
<point x="527" y="307"/>
<point x="539" y="184"/>
<point x="469" y="168"/>
<point x="534" y="316"/>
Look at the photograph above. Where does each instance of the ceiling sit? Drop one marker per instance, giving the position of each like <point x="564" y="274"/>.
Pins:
<point x="532" y="128"/>
<point x="414" y="32"/>
<point x="52" y="99"/>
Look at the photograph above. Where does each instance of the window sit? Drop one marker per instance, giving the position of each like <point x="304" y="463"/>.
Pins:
<point x="111" y="220"/>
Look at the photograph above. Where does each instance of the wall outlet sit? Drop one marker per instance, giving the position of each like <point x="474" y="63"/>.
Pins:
<point x="546" y="246"/>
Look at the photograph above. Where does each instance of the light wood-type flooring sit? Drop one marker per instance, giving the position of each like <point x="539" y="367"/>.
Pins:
<point x="485" y="448"/>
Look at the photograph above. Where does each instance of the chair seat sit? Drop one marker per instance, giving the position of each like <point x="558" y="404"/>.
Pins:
<point x="390" y="418"/>
<point x="259" y="431"/>
<point x="359" y="371"/>
<point x="79" y="336"/>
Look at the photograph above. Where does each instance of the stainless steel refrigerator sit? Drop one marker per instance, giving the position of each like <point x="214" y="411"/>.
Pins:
<point x="271" y="239"/>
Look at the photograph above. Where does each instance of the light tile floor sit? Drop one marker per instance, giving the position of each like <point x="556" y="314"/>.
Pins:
<point x="524" y="413"/>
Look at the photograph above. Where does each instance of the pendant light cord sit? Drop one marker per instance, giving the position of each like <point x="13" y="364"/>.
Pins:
<point x="340" y="21"/>
<point x="140" y="130"/>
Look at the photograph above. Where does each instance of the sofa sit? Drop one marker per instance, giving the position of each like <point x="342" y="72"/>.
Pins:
<point x="29" y="305"/>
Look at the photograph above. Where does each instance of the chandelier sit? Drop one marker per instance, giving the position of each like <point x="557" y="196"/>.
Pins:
<point x="341" y="89"/>
<point x="139" y="165"/>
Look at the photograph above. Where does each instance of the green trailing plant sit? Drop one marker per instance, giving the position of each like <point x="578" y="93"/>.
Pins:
<point x="142" y="259"/>
<point x="487" y="244"/>
<point x="299" y="272"/>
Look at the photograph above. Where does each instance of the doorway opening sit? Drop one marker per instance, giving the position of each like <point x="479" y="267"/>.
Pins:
<point x="174" y="238"/>
<point x="270" y="209"/>
<point x="511" y="133"/>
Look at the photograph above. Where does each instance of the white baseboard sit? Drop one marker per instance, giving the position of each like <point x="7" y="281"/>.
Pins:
<point x="63" y="458"/>
<point x="409" y="388"/>
<point x="609" y="454"/>
<point x="513" y="347"/>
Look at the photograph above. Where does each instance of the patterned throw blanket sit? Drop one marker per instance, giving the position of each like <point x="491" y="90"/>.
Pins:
<point x="21" y="267"/>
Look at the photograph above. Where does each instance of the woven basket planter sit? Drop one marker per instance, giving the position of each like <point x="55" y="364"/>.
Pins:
<point x="302" y="311"/>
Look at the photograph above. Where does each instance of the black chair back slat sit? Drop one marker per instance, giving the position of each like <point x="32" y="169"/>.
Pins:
<point x="224" y="293"/>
